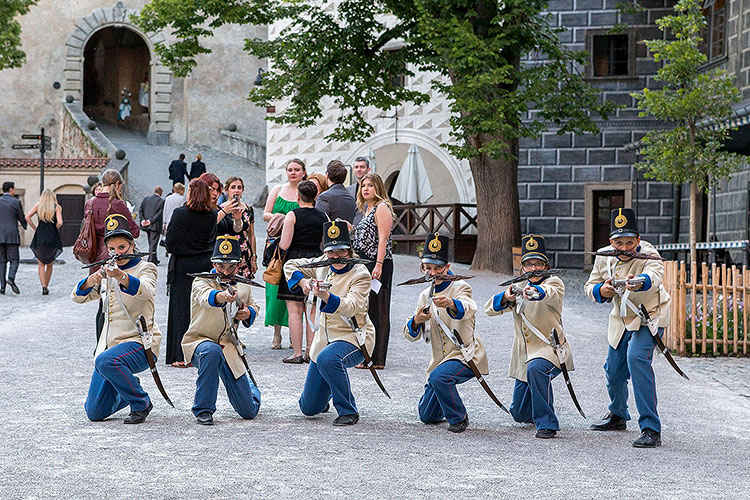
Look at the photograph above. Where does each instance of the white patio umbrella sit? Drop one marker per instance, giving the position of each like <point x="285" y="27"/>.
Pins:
<point x="412" y="185"/>
<point x="371" y="159"/>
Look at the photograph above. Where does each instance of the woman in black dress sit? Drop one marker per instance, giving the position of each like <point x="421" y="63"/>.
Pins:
<point x="46" y="245"/>
<point x="301" y="237"/>
<point x="190" y="241"/>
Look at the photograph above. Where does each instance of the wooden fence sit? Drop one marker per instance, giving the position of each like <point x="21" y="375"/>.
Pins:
<point x="708" y="310"/>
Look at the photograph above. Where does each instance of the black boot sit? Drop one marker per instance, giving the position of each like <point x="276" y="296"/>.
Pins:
<point x="545" y="433"/>
<point x="460" y="426"/>
<point x="138" y="417"/>
<point x="610" y="422"/>
<point x="14" y="287"/>
<point x="649" y="439"/>
<point x="346" y="419"/>
<point x="205" y="418"/>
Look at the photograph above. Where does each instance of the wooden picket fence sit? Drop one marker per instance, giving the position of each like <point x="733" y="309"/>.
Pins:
<point x="708" y="310"/>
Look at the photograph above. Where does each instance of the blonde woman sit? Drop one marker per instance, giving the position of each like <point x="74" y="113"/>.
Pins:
<point x="46" y="245"/>
<point x="372" y="240"/>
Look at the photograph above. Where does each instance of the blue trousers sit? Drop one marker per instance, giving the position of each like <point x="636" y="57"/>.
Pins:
<point x="243" y="395"/>
<point x="533" y="399"/>
<point x="440" y="399"/>
<point x="113" y="385"/>
<point x="632" y="359"/>
<point x="327" y="379"/>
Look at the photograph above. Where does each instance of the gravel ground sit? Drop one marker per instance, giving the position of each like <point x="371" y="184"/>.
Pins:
<point x="49" y="449"/>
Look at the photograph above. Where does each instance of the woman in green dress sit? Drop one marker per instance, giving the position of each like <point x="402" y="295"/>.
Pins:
<point x="281" y="199"/>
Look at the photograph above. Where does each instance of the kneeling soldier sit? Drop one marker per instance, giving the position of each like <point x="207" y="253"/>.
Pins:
<point x="537" y="309"/>
<point x="129" y="289"/>
<point x="449" y="307"/>
<point x="344" y="291"/>
<point x="631" y="345"/>
<point x="208" y="343"/>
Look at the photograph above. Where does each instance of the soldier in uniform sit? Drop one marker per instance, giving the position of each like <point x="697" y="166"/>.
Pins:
<point x="450" y="307"/>
<point x="335" y="347"/>
<point x="631" y="346"/>
<point x="534" y="361"/>
<point x="128" y="288"/>
<point x="208" y="344"/>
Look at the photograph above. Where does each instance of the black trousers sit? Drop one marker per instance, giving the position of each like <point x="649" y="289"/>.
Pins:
<point x="379" y="311"/>
<point x="8" y="254"/>
<point x="153" y="245"/>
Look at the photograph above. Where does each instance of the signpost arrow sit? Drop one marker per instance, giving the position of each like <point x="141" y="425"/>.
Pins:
<point x="25" y="146"/>
<point x="32" y="136"/>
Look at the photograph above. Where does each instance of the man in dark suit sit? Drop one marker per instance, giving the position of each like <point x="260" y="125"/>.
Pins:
<point x="11" y="213"/>
<point x="337" y="202"/>
<point x="152" y="217"/>
<point x="360" y="168"/>
<point x="197" y="168"/>
<point x="178" y="170"/>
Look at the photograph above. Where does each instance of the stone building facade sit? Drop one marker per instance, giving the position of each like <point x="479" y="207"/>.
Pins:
<point x="89" y="50"/>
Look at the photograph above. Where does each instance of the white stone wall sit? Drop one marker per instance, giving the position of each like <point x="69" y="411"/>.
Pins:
<point x="427" y="126"/>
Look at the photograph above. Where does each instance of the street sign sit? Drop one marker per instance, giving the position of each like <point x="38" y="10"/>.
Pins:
<point x="25" y="146"/>
<point x="32" y="136"/>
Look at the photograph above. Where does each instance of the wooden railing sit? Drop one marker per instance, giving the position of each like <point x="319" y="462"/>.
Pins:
<point x="709" y="316"/>
<point x="458" y="221"/>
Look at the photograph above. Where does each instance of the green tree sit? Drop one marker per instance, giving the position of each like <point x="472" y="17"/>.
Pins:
<point x="478" y="47"/>
<point x="11" y="55"/>
<point x="690" y="99"/>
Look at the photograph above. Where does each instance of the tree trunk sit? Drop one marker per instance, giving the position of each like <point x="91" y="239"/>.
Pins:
<point x="498" y="214"/>
<point x="693" y="218"/>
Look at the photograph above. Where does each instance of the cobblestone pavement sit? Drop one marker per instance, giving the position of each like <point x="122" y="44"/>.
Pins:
<point x="49" y="449"/>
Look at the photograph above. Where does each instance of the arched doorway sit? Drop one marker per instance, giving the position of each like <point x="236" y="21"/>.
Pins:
<point x="116" y="68"/>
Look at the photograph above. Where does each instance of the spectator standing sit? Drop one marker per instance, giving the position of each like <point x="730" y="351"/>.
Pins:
<point x="152" y="216"/>
<point x="173" y="200"/>
<point x="197" y="168"/>
<point x="248" y="265"/>
<point x="178" y="170"/>
<point x="320" y="182"/>
<point x="372" y="240"/>
<point x="301" y="238"/>
<point x="360" y="168"/>
<point x="281" y="200"/>
<point x="46" y="245"/>
<point x="337" y="202"/>
<point x="190" y="242"/>
<point x="96" y="188"/>
<point x="11" y="214"/>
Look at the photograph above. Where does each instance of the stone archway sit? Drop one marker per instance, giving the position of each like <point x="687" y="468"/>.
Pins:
<point x="160" y="78"/>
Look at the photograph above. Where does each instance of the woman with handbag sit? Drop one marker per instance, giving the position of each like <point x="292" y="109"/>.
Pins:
<point x="281" y="200"/>
<point x="301" y="238"/>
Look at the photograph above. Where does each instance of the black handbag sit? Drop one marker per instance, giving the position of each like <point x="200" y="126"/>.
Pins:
<point x="271" y="245"/>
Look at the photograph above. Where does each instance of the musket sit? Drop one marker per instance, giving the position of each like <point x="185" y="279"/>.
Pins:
<point x="557" y="346"/>
<point x="623" y="283"/>
<point x="645" y="316"/>
<point x="468" y="354"/>
<point x="359" y="333"/>
<point x="146" y="337"/>
<point x="432" y="279"/>
<point x="533" y="274"/>
<point x="114" y="257"/>
<point x="224" y="279"/>
<point x="626" y="253"/>
<point x="229" y="312"/>
<point x="336" y="260"/>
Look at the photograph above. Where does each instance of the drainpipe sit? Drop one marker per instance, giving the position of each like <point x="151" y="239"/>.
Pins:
<point x="676" y="206"/>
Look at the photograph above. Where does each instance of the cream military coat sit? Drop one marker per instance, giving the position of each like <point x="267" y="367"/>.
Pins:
<point x="443" y="349"/>
<point x="350" y="295"/>
<point x="544" y="314"/>
<point x="654" y="296"/>
<point x="138" y="299"/>
<point x="208" y="322"/>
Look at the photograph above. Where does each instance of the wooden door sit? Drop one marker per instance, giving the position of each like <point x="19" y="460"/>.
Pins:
<point x="604" y="201"/>
<point x="72" y="210"/>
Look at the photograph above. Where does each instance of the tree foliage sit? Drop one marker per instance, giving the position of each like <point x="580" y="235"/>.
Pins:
<point x="343" y="54"/>
<point x="692" y="100"/>
<point x="11" y="55"/>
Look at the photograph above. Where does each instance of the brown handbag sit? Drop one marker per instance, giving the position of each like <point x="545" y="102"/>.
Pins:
<point x="274" y="272"/>
<point x="85" y="248"/>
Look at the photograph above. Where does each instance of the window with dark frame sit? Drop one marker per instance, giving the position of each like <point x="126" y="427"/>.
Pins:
<point x="397" y="80"/>
<point x="714" y="35"/>
<point x="609" y="55"/>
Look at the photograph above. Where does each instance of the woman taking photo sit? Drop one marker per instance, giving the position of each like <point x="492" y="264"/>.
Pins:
<point x="281" y="200"/>
<point x="46" y="245"/>
<point x="300" y="239"/>
<point x="234" y="187"/>
<point x="190" y="243"/>
<point x="372" y="240"/>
